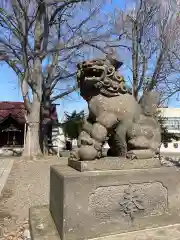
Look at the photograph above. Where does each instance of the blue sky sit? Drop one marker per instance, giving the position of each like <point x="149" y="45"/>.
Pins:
<point x="9" y="89"/>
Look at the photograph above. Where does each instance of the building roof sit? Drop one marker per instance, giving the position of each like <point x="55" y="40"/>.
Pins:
<point x="13" y="109"/>
<point x="17" y="111"/>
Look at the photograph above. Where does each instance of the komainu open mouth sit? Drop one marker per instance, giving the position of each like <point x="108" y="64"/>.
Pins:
<point x="93" y="72"/>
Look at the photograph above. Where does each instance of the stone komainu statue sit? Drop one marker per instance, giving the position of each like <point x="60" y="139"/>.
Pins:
<point x="114" y="115"/>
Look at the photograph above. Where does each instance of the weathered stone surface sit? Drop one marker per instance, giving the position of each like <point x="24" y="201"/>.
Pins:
<point x="170" y="232"/>
<point x="114" y="163"/>
<point x="93" y="204"/>
<point x="114" y="114"/>
<point x="119" y="202"/>
<point x="41" y="224"/>
<point x="149" y="103"/>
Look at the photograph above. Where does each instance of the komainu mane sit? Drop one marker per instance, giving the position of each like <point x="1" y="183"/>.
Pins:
<point x="114" y="115"/>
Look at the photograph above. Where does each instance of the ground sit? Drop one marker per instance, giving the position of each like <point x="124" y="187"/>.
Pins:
<point x="27" y="185"/>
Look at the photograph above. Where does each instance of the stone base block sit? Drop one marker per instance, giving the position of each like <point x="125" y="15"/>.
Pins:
<point x="114" y="163"/>
<point x="170" y="232"/>
<point x="42" y="227"/>
<point x="41" y="224"/>
<point x="96" y="204"/>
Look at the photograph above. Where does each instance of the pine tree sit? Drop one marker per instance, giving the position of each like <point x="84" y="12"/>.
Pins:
<point x="73" y="124"/>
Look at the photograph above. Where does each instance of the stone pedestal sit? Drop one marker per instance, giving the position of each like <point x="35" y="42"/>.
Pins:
<point x="114" y="163"/>
<point x="96" y="203"/>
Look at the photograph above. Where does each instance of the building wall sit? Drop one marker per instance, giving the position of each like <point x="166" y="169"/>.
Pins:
<point x="172" y="123"/>
<point x="58" y="139"/>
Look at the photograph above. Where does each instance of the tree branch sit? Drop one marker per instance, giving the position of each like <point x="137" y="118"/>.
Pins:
<point x="61" y="95"/>
<point x="56" y="79"/>
<point x="156" y="72"/>
<point x="144" y="68"/>
<point x="61" y="7"/>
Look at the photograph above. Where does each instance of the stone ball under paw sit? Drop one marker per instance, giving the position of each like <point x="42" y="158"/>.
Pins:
<point x="87" y="153"/>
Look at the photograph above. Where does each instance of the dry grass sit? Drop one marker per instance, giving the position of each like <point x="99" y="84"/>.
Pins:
<point x="27" y="185"/>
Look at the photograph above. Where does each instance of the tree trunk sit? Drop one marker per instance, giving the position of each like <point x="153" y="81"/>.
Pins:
<point x="32" y="144"/>
<point x="45" y="119"/>
<point x="135" y="60"/>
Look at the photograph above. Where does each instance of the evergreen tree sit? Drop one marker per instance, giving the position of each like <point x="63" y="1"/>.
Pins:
<point x="73" y="124"/>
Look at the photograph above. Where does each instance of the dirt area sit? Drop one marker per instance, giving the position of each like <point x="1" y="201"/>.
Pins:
<point x="27" y="185"/>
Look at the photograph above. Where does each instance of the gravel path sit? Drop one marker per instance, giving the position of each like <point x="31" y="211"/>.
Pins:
<point x="27" y="185"/>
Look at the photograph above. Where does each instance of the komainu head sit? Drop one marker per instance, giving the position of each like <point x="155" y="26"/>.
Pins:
<point x="100" y="76"/>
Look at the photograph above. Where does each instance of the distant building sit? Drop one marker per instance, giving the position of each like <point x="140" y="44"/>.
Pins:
<point x="172" y="122"/>
<point x="13" y="125"/>
<point x="59" y="141"/>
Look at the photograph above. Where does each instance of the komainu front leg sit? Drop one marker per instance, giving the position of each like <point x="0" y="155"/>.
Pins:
<point x="105" y="123"/>
<point x="117" y="141"/>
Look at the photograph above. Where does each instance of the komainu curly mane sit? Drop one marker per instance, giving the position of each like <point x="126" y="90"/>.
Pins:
<point x="100" y="76"/>
<point x="114" y="114"/>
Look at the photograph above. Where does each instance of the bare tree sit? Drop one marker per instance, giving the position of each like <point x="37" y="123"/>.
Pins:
<point x="151" y="32"/>
<point x="39" y="39"/>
